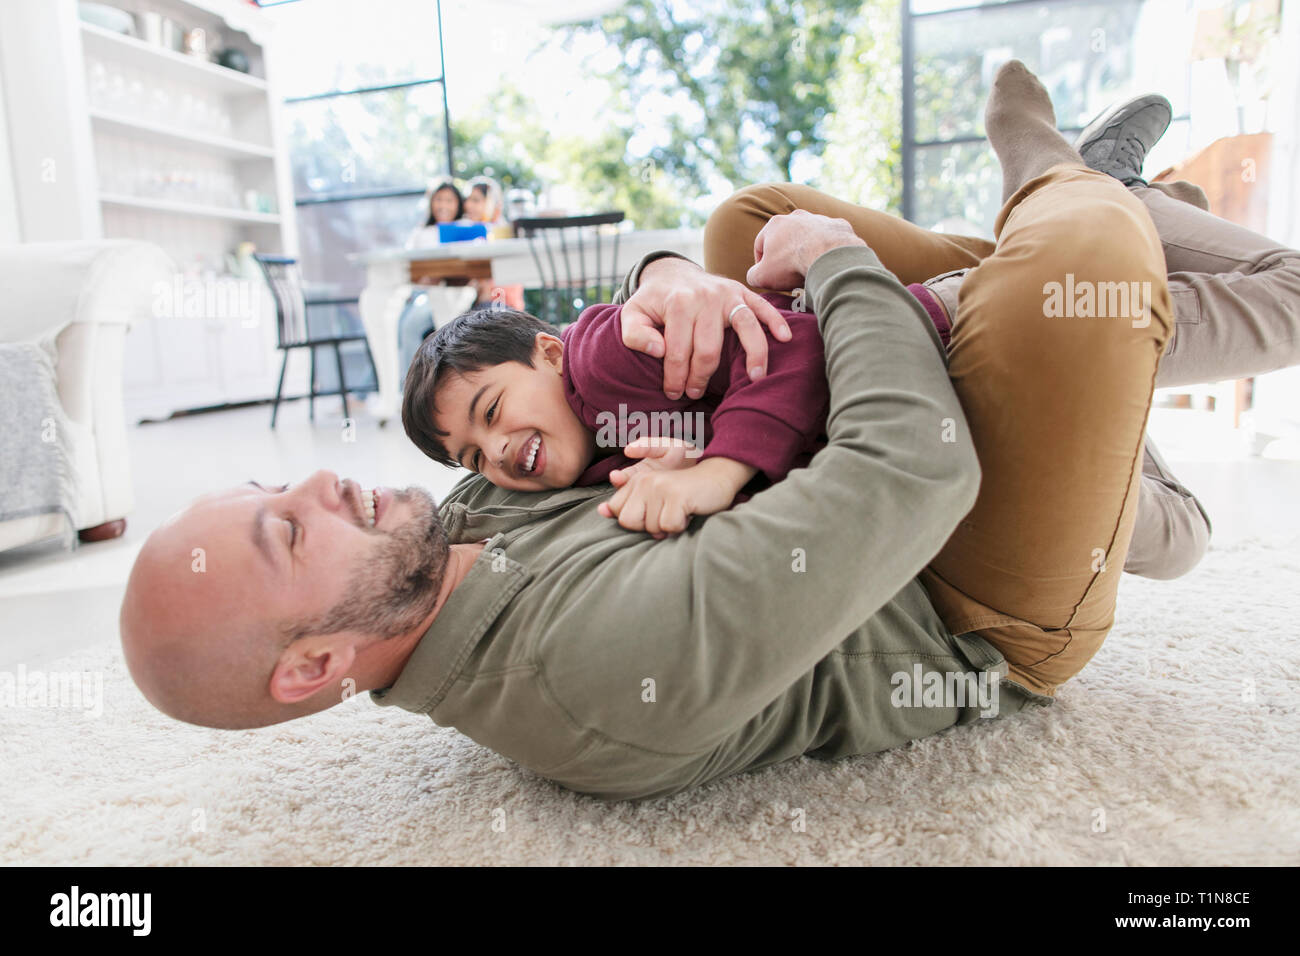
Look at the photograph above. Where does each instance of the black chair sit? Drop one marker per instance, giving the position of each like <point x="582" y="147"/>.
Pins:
<point x="293" y="331"/>
<point x="569" y="286"/>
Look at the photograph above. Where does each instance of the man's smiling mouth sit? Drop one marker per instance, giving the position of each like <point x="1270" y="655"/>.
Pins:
<point x="368" y="504"/>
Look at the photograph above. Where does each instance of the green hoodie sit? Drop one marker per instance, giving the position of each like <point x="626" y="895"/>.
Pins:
<point x="626" y="667"/>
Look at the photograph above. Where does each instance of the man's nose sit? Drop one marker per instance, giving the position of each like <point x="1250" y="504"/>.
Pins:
<point x="323" y="486"/>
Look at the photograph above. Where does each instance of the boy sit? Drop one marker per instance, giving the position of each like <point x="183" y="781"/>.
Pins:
<point x="497" y="392"/>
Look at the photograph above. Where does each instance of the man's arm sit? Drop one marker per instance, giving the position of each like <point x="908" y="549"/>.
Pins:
<point x="632" y="281"/>
<point x="776" y="583"/>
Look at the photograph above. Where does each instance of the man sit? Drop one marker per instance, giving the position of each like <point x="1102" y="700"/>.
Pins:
<point x="624" y="666"/>
<point x="617" y="664"/>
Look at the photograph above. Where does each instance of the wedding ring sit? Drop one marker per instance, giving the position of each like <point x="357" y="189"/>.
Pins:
<point x="732" y="313"/>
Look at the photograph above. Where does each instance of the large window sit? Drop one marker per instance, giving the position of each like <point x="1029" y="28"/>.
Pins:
<point x="1088" y="53"/>
<point x="366" y="118"/>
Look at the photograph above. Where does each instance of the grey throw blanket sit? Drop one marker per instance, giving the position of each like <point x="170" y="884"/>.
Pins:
<point x="36" y="470"/>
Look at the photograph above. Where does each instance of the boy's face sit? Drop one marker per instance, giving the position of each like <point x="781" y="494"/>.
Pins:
<point x="513" y="425"/>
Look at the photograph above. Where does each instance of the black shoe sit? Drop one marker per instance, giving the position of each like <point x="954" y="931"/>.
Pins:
<point x="1117" y="142"/>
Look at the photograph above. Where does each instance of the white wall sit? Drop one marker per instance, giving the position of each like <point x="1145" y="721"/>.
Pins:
<point x="1284" y="177"/>
<point x="1277" y="395"/>
<point x="51" y="165"/>
<point x="9" y="231"/>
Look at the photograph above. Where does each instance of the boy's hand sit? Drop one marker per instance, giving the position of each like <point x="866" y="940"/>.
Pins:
<point x="662" y="502"/>
<point x="656" y="454"/>
<point x="695" y="308"/>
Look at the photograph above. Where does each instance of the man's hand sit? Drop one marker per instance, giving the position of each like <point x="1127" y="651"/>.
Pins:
<point x="694" y="309"/>
<point x="787" y="246"/>
<point x="662" y="502"/>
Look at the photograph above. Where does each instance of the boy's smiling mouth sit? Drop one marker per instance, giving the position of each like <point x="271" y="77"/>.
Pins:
<point x="530" y="461"/>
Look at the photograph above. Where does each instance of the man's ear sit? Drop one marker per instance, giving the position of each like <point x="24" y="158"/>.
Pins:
<point x="549" y="351"/>
<point x="310" y="664"/>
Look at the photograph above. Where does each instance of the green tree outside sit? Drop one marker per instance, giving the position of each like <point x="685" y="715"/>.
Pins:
<point x="745" y="88"/>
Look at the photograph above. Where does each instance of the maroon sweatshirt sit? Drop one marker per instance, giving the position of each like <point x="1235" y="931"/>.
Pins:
<point x="773" y="424"/>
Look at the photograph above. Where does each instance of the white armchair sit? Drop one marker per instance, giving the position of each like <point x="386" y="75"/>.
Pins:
<point x="87" y="294"/>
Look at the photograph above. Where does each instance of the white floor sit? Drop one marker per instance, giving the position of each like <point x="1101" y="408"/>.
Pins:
<point x="52" y="602"/>
<point x="1176" y="746"/>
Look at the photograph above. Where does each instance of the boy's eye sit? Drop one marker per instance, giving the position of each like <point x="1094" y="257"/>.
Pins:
<point x="492" y="409"/>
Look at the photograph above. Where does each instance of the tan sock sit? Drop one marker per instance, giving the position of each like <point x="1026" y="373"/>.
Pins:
<point x="1021" y="128"/>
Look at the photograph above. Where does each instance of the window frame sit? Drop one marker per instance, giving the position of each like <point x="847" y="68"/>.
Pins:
<point x="396" y="191"/>
<point x="910" y="144"/>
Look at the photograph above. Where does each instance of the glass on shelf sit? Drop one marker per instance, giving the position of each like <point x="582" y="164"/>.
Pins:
<point x="160" y="105"/>
<point x="144" y="96"/>
<point x="226" y="191"/>
<point x="148" y="184"/>
<point x="197" y="112"/>
<point x="115" y="91"/>
<point x="96" y="81"/>
<point x="136" y="99"/>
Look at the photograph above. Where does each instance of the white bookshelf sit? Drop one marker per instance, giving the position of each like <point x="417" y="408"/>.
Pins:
<point x="185" y="209"/>
<point x="167" y="64"/>
<point x="124" y="138"/>
<point x="147" y="130"/>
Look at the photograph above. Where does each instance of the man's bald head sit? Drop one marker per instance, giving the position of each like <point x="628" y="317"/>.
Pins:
<point x="251" y="606"/>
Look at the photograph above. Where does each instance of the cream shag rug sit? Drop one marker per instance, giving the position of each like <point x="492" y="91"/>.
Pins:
<point x="1178" y="745"/>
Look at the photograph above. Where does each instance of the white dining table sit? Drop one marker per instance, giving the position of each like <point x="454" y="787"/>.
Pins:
<point x="393" y="274"/>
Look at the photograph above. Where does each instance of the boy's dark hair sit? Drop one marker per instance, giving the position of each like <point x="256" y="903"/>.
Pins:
<point x="475" y="340"/>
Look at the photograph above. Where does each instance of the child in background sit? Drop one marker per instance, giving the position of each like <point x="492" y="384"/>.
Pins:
<point x="485" y="203"/>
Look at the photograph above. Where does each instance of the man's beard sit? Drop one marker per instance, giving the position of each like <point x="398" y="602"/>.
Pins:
<point x="395" y="588"/>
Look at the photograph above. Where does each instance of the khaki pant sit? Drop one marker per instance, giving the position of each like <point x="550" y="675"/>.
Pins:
<point x="1057" y="405"/>
<point x="1235" y="294"/>
<point x="1236" y="298"/>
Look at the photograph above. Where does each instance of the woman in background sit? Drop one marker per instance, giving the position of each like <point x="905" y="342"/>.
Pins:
<point x="443" y="202"/>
